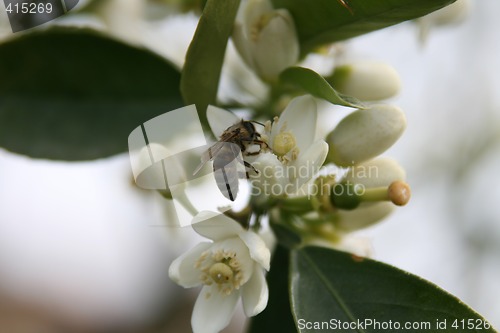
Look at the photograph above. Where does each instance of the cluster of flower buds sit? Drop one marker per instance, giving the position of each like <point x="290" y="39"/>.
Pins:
<point x="288" y="182"/>
<point x="364" y="188"/>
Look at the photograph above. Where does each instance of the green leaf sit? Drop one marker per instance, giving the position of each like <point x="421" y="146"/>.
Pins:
<point x="277" y="317"/>
<point x="311" y="82"/>
<point x="201" y="72"/>
<point x="75" y="94"/>
<point x="320" y="22"/>
<point x="285" y="235"/>
<point x="328" y="285"/>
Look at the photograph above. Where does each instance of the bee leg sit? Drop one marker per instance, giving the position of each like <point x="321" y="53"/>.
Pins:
<point x="260" y="143"/>
<point x="248" y="165"/>
<point x="252" y="154"/>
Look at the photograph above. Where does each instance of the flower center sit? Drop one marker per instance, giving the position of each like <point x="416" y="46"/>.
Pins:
<point x="221" y="273"/>
<point x="222" y="268"/>
<point x="283" y="143"/>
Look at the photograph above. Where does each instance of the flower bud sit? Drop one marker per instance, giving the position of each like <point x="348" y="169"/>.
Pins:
<point x="366" y="80"/>
<point x="365" y="215"/>
<point x="450" y="14"/>
<point x="148" y="168"/>
<point x="365" y="134"/>
<point x="266" y="38"/>
<point x="375" y="173"/>
<point x="372" y="174"/>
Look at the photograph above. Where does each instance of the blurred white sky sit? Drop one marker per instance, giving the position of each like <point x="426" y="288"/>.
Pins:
<point x="83" y="230"/>
<point x="449" y="233"/>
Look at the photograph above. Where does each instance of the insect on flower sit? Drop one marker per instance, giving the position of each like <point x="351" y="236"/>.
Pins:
<point x="225" y="155"/>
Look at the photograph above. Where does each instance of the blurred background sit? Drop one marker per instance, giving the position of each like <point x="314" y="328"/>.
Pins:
<point x="82" y="249"/>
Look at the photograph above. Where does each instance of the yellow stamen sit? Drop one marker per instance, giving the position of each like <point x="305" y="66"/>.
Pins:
<point x="283" y="143"/>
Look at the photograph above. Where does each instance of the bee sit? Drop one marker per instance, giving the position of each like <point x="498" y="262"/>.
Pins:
<point x="225" y="155"/>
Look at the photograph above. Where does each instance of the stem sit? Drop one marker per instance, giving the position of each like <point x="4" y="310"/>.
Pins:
<point x="375" y="194"/>
<point x="296" y="204"/>
<point x="182" y="198"/>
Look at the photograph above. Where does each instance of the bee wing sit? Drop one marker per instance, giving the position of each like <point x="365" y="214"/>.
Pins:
<point x="211" y="152"/>
<point x="208" y="155"/>
<point x="226" y="178"/>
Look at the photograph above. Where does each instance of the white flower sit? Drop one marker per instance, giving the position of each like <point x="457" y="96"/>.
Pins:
<point x="265" y="38"/>
<point x="295" y="156"/>
<point x="230" y="267"/>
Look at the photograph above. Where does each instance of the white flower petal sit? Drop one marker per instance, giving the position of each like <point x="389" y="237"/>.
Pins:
<point x="255" y="293"/>
<point x="257" y="247"/>
<point x="213" y="310"/>
<point x="277" y="46"/>
<point x="360" y="246"/>
<point x="242" y="44"/>
<point x="220" y="119"/>
<point x="253" y="11"/>
<point x="299" y="117"/>
<point x="182" y="270"/>
<point x="367" y="214"/>
<point x="356" y="245"/>
<point x="271" y="179"/>
<point x="215" y="226"/>
<point x="308" y="163"/>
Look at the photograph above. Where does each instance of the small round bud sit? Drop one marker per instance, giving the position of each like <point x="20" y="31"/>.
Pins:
<point x="365" y="134"/>
<point x="399" y="193"/>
